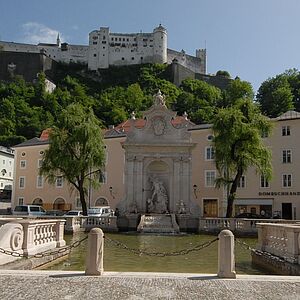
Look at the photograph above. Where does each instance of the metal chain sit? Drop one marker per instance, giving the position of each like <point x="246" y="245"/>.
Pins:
<point x="46" y="253"/>
<point x="244" y="245"/>
<point x="160" y="254"/>
<point x="259" y="252"/>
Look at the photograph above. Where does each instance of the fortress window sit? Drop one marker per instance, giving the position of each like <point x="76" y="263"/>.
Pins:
<point x="132" y="58"/>
<point x="103" y="42"/>
<point x="104" y="37"/>
<point x="122" y="58"/>
<point x="104" y="47"/>
<point x="120" y="39"/>
<point x="123" y="39"/>
<point x="94" y="43"/>
<point x="127" y="40"/>
<point x="95" y="54"/>
<point x="134" y="39"/>
<point x="142" y="57"/>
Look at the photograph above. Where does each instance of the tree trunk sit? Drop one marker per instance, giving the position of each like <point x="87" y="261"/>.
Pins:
<point x="232" y="194"/>
<point x="82" y="200"/>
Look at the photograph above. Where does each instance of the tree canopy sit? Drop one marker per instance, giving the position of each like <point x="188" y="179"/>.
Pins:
<point x="76" y="151"/>
<point x="279" y="94"/>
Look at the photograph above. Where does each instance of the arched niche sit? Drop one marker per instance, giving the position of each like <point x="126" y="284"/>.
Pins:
<point x="101" y="202"/>
<point x="37" y="201"/>
<point x="59" y="204"/>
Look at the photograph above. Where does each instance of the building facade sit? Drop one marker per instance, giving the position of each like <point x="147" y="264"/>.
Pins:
<point x="114" y="49"/>
<point x="280" y="196"/>
<point x="6" y="172"/>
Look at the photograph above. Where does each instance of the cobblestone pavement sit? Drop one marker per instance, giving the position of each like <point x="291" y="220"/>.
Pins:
<point x="134" y="286"/>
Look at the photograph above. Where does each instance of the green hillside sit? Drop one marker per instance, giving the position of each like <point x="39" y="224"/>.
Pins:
<point x="27" y="109"/>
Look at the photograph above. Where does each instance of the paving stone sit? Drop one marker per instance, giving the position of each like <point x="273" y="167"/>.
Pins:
<point x="134" y="286"/>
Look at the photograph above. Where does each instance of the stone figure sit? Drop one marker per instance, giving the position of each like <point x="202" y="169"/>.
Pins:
<point x="133" y="208"/>
<point x="158" y="203"/>
<point x="181" y="207"/>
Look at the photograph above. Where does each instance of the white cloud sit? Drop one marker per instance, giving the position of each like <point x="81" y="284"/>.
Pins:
<point x="34" y="33"/>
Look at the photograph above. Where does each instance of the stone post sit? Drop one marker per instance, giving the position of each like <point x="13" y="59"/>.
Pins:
<point x="226" y="261"/>
<point x="59" y="229"/>
<point x="94" y="258"/>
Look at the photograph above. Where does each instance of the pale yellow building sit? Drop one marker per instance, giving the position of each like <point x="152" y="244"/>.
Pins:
<point x="279" y="196"/>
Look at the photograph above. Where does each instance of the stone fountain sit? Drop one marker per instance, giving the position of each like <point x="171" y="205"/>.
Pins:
<point x="157" y="171"/>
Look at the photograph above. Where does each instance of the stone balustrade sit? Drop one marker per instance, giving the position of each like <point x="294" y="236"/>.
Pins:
<point x="85" y="223"/>
<point x="281" y="240"/>
<point x="29" y="237"/>
<point x="236" y="225"/>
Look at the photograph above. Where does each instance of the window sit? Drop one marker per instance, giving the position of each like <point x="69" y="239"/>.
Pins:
<point x="94" y="43"/>
<point x="20" y="201"/>
<point x="287" y="180"/>
<point x="77" y="202"/>
<point x="22" y="164"/>
<point x="264" y="134"/>
<point x="95" y="54"/>
<point x="3" y="161"/>
<point x="210" y="137"/>
<point x="210" y="177"/>
<point x="39" y="181"/>
<point x="286" y="130"/>
<point x="286" y="156"/>
<point x="103" y="177"/>
<point x="264" y="183"/>
<point x="122" y="58"/>
<point x="59" y="181"/>
<point x="242" y="182"/>
<point x="40" y="163"/>
<point x="22" y="182"/>
<point x="209" y="153"/>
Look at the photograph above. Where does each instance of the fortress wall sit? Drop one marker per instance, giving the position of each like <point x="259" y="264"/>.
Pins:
<point x="193" y="63"/>
<point x="18" y="47"/>
<point x="25" y="64"/>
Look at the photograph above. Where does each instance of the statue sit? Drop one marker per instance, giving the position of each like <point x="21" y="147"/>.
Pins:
<point x="158" y="203"/>
<point x="181" y="207"/>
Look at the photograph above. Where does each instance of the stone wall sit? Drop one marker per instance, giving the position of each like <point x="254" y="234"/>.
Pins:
<point x="181" y="72"/>
<point x="27" y="65"/>
<point x="274" y="265"/>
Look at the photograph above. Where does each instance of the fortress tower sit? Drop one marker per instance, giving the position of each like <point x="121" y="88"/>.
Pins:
<point x="160" y="45"/>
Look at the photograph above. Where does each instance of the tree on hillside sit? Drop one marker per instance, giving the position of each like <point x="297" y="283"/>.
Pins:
<point x="275" y="95"/>
<point x="198" y="99"/>
<point x="238" y="145"/>
<point x="236" y="90"/>
<point x="76" y="151"/>
<point x="223" y="73"/>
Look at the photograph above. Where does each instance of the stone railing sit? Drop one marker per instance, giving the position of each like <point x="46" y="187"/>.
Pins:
<point x="74" y="224"/>
<point x="236" y="225"/>
<point x="105" y="223"/>
<point x="281" y="240"/>
<point x="29" y="237"/>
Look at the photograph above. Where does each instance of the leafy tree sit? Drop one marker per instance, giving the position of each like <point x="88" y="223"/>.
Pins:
<point x="238" y="144"/>
<point x="76" y="150"/>
<point x="275" y="96"/>
<point x="237" y="89"/>
<point x="223" y="73"/>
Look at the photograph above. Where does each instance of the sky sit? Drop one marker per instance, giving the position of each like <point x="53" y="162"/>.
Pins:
<point x="252" y="39"/>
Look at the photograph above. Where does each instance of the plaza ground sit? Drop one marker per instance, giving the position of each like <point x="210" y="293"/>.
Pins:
<point x="120" y="285"/>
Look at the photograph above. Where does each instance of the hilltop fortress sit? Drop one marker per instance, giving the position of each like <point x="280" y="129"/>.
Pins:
<point x="118" y="49"/>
